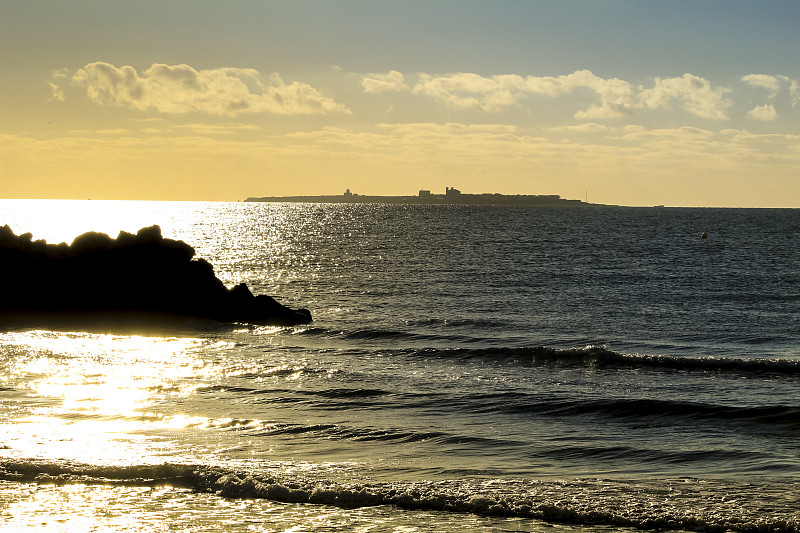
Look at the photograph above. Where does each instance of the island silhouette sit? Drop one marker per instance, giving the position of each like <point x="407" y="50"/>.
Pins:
<point x="452" y="196"/>
<point x="141" y="276"/>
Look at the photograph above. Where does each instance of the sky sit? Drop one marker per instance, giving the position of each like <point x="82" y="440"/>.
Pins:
<point x="627" y="102"/>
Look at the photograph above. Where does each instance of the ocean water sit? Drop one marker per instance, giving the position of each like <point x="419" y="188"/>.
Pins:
<point x="468" y="368"/>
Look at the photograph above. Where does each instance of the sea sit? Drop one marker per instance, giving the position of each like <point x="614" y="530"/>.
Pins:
<point x="468" y="368"/>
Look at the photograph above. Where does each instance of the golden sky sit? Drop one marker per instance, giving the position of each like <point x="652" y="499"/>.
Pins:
<point x="628" y="102"/>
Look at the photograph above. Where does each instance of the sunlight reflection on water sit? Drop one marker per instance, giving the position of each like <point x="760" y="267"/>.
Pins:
<point x="233" y="237"/>
<point x="62" y="220"/>
<point x="93" y="396"/>
<point x="447" y="345"/>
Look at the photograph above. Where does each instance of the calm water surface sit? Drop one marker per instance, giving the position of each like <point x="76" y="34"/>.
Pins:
<point x="480" y="368"/>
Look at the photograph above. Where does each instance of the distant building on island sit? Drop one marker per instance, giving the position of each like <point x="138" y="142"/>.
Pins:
<point x="451" y="196"/>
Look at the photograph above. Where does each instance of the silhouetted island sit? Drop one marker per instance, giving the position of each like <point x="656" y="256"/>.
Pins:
<point x="98" y="278"/>
<point x="452" y="196"/>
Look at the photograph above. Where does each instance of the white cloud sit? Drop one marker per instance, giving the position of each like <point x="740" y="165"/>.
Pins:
<point x="777" y="141"/>
<point x="56" y="92"/>
<point x="764" y="112"/>
<point x="683" y="134"/>
<point x="183" y="89"/>
<point x="451" y="129"/>
<point x="378" y="83"/>
<point x="472" y="91"/>
<point x="589" y="127"/>
<point x="465" y="90"/>
<point x="774" y="84"/>
<point x="612" y="97"/>
<point x="615" y="95"/>
<point x="771" y="83"/>
<point x="115" y="131"/>
<point x="216" y="129"/>
<point x="794" y="92"/>
<point x="689" y="92"/>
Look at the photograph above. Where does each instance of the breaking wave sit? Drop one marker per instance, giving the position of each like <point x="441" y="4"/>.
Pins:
<point x="686" y="504"/>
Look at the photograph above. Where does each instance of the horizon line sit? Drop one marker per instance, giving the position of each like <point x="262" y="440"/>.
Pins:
<point x="657" y="206"/>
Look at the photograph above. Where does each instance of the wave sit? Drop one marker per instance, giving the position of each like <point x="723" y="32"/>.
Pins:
<point x="381" y="335"/>
<point x="592" y="355"/>
<point x="785" y="416"/>
<point x="341" y="392"/>
<point x="674" y="456"/>
<point x="340" y="432"/>
<point x="457" y="322"/>
<point x="687" y="504"/>
<point x="265" y="428"/>
<point x="663" y="412"/>
<point x="601" y="357"/>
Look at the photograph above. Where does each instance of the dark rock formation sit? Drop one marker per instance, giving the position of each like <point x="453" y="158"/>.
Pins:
<point x="132" y="275"/>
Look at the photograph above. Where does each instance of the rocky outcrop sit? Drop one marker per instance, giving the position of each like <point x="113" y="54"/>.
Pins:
<point x="132" y="275"/>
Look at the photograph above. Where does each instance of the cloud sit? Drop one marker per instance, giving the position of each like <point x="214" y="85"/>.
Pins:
<point x="471" y="91"/>
<point x="378" y="83"/>
<point x="689" y="92"/>
<point x="589" y="127"/>
<point x="56" y="92"/>
<point x="183" y="89"/>
<point x="764" y="112"/>
<point x="776" y="141"/>
<point x="771" y="83"/>
<point x="450" y="129"/>
<point x="115" y="131"/>
<point x="216" y="129"/>
<point x="615" y="95"/>
<point x="623" y="160"/>
<point x="794" y="92"/>
<point x="612" y="97"/>
<point x="684" y="134"/>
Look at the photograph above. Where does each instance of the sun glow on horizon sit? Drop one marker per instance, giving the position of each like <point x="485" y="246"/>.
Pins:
<point x="492" y="105"/>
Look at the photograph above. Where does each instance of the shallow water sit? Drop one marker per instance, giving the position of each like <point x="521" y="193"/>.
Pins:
<point x="484" y="368"/>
